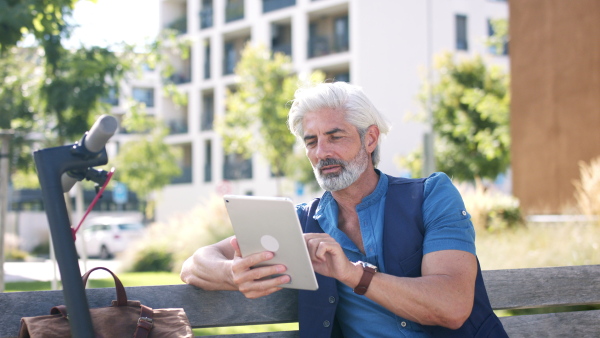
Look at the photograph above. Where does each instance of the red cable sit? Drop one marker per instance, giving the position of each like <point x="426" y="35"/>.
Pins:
<point x="98" y="195"/>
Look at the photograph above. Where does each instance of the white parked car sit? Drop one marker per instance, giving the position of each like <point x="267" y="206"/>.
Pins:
<point x="104" y="237"/>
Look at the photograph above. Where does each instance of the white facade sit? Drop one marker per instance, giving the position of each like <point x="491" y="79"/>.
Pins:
<point x="388" y="48"/>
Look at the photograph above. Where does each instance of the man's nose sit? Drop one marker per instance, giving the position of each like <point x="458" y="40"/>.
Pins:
<point x="323" y="150"/>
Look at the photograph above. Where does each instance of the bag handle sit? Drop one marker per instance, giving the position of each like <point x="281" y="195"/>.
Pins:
<point x="121" y="295"/>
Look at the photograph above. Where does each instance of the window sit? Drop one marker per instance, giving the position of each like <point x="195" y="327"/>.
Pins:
<point x="234" y="10"/>
<point x="144" y="95"/>
<point x="281" y="38"/>
<point x="206" y="14"/>
<point x="461" y="32"/>
<point x="272" y="5"/>
<point x="230" y="58"/>
<point x="208" y="111"/>
<point x="341" y="37"/>
<point x="207" y="59"/>
<point x="236" y="167"/>
<point x="207" y="161"/>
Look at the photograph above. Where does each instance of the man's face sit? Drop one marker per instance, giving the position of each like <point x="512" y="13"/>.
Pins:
<point x="334" y="148"/>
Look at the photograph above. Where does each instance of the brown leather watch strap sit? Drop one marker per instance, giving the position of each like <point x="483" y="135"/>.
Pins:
<point x="365" y="280"/>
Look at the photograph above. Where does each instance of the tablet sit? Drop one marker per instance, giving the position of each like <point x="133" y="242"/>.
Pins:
<point x="271" y="224"/>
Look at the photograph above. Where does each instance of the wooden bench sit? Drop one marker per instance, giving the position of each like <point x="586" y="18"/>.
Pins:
<point x="508" y="289"/>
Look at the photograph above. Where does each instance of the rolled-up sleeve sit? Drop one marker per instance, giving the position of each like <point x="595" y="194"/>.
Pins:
<point x="447" y="223"/>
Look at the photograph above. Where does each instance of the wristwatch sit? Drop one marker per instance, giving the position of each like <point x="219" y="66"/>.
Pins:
<point x="368" y="272"/>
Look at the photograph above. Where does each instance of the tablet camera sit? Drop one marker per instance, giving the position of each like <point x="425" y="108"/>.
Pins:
<point x="270" y="243"/>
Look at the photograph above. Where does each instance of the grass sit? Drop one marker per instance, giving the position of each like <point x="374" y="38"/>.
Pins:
<point x="127" y="278"/>
<point x="539" y="245"/>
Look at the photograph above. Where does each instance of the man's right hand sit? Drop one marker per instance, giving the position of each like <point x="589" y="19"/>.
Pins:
<point x="256" y="282"/>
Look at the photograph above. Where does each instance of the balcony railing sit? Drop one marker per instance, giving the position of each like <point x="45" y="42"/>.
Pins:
<point x="180" y="78"/>
<point x="273" y="5"/>
<point x="177" y="126"/>
<point x="283" y="48"/>
<point x="206" y="18"/>
<point x="321" y="45"/>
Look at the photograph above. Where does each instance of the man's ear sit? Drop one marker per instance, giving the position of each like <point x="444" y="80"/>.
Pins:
<point x="371" y="138"/>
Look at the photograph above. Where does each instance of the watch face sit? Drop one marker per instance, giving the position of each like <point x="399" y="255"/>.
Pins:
<point x="369" y="265"/>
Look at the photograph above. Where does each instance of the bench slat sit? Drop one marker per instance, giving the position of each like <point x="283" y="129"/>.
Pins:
<point x="540" y="287"/>
<point x="507" y="289"/>
<point x="564" y="324"/>
<point x="282" y="334"/>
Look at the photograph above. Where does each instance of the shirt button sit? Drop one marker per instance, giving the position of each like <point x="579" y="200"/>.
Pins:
<point x="331" y="299"/>
<point x="464" y="213"/>
<point x="326" y="323"/>
<point x="403" y="324"/>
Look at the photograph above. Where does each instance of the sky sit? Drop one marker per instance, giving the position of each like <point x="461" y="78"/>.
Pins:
<point x="112" y="21"/>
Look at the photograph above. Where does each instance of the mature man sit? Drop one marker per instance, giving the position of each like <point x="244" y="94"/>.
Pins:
<point x="393" y="256"/>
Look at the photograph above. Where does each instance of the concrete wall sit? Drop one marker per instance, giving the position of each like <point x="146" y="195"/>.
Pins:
<point x="555" y="109"/>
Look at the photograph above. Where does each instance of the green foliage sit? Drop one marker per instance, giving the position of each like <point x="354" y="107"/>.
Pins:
<point x="500" y="37"/>
<point x="257" y="110"/>
<point x="470" y="105"/>
<point x="45" y="20"/>
<point x="153" y="259"/>
<point x="42" y="249"/>
<point x="72" y="92"/>
<point x="147" y="163"/>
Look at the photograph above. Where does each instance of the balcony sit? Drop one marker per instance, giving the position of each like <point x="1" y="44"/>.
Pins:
<point x="273" y="5"/>
<point x="328" y="35"/>
<point x="234" y="10"/>
<point x="177" y="126"/>
<point x="144" y="95"/>
<point x="235" y="167"/>
<point x="179" y="25"/>
<point x="325" y="45"/>
<point x="180" y="78"/>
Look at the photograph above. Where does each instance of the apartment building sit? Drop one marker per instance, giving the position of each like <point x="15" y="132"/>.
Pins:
<point x="384" y="46"/>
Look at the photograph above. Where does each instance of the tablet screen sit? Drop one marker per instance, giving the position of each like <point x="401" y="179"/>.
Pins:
<point x="271" y="224"/>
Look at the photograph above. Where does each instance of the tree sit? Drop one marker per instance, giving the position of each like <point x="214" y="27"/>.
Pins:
<point x="257" y="110"/>
<point x="470" y="103"/>
<point x="147" y="163"/>
<point x="50" y="91"/>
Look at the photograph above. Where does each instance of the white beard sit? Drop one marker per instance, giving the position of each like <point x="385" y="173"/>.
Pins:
<point x="349" y="173"/>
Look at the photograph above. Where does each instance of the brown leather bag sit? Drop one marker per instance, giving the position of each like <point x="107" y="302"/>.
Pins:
<point x="124" y="318"/>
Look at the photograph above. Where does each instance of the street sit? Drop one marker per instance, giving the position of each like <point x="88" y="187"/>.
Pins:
<point x="43" y="270"/>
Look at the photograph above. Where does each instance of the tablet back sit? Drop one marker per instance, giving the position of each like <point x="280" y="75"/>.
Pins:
<point x="271" y="224"/>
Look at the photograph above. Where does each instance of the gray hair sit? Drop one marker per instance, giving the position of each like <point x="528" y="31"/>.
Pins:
<point x="359" y="110"/>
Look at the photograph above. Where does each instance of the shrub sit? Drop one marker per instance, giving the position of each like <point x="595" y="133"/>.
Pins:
<point x="491" y="210"/>
<point x="178" y="238"/>
<point x="152" y="259"/>
<point x="42" y="249"/>
<point x="587" y="188"/>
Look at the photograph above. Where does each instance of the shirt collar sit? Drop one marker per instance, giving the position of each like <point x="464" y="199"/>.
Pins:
<point x="374" y="197"/>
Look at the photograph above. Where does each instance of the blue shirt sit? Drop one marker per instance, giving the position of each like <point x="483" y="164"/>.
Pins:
<point x="447" y="227"/>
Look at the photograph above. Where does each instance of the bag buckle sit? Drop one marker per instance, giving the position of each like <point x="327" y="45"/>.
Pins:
<point x="145" y="320"/>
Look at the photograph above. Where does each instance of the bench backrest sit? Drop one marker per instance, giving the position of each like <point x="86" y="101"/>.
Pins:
<point x="507" y="289"/>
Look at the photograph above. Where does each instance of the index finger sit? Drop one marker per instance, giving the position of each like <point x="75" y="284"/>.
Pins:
<point x="250" y="260"/>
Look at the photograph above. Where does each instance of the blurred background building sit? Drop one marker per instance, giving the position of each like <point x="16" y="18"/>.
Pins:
<point x="385" y="47"/>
